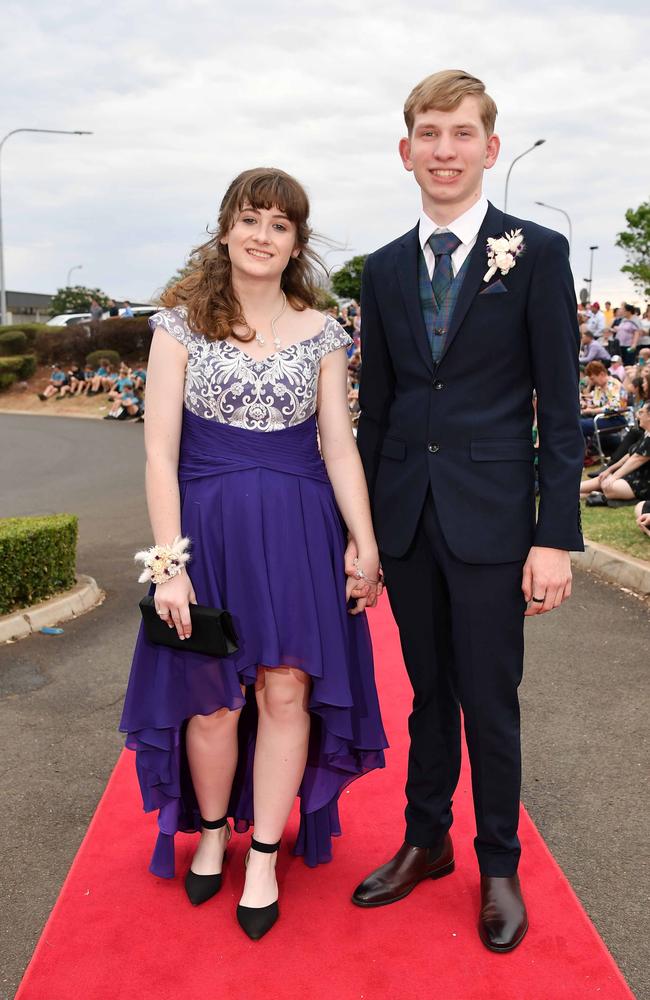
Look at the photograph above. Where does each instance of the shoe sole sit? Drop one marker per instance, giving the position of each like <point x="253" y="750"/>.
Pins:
<point x="511" y="947"/>
<point x="447" y="870"/>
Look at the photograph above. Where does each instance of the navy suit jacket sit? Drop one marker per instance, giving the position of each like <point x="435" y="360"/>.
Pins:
<point x="463" y="427"/>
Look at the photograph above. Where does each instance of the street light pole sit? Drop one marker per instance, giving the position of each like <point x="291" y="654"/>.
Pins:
<point x="591" y="270"/>
<point x="539" y="142"/>
<point x="76" y="267"/>
<point x="49" y="131"/>
<point x="566" y="215"/>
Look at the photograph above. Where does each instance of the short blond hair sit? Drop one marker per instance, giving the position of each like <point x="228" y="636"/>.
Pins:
<point x="444" y="91"/>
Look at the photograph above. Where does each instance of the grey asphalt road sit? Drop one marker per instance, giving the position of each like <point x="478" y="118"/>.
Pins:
<point x="584" y="701"/>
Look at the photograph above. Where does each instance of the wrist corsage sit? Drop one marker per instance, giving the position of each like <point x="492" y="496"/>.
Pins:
<point x="163" y="562"/>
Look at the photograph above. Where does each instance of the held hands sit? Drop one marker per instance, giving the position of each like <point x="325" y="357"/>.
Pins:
<point x="364" y="591"/>
<point x="546" y="579"/>
<point x="172" y="600"/>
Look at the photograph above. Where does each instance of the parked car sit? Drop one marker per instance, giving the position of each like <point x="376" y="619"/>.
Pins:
<point x="69" y="319"/>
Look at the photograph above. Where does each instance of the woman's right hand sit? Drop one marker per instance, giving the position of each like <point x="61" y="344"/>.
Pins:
<point x="172" y="602"/>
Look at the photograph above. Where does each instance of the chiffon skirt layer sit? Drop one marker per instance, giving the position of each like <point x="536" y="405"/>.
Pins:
<point x="267" y="544"/>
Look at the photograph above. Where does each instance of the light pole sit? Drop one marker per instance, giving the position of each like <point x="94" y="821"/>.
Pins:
<point x="566" y="215"/>
<point x="77" y="267"/>
<point x="591" y="269"/>
<point x="539" y="142"/>
<point x="3" y="290"/>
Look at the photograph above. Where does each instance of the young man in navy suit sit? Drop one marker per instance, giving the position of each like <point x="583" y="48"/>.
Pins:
<point x="463" y="318"/>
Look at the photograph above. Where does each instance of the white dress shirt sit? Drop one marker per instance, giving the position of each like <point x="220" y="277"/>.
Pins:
<point x="596" y="324"/>
<point x="465" y="227"/>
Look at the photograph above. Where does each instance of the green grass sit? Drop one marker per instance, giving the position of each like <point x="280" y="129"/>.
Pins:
<point x="617" y="527"/>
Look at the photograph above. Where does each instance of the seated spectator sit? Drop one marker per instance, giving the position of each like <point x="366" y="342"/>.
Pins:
<point x="139" y="376"/>
<point x="76" y="381"/>
<point x="642" y="514"/>
<point x="595" y="323"/>
<point x="109" y="380"/>
<point x="629" y="478"/>
<point x="616" y="368"/>
<point x="591" y="350"/>
<point x="127" y="312"/>
<point x="89" y="375"/>
<point x="123" y="381"/>
<point x="604" y="394"/>
<point x="97" y="383"/>
<point x="129" y="405"/>
<point x="58" y="379"/>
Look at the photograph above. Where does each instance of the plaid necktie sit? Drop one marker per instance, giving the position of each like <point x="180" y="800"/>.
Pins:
<point x="443" y="245"/>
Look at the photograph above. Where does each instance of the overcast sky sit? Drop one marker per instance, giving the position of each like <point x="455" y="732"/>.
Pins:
<point x="182" y="95"/>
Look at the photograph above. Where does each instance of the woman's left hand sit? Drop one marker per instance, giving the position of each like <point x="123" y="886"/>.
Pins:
<point x="365" y="590"/>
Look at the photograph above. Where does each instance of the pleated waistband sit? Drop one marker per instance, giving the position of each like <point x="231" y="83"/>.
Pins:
<point x="210" y="448"/>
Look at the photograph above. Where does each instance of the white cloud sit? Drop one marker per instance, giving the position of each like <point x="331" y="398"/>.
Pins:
<point x="182" y="96"/>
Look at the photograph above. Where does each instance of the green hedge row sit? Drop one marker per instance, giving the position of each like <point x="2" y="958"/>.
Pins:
<point x="37" y="558"/>
<point x="13" y="342"/>
<point x="29" y="329"/>
<point x="20" y="367"/>
<point x="130" y="337"/>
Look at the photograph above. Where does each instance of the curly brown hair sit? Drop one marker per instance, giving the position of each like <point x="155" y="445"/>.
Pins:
<point x="207" y="291"/>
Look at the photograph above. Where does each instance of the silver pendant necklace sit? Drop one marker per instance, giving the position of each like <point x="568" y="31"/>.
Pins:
<point x="276" y="340"/>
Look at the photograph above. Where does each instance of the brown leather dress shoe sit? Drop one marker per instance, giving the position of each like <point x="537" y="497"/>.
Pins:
<point x="503" y="920"/>
<point x="401" y="874"/>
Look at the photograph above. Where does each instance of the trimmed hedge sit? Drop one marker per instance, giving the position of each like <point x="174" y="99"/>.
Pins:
<point x="130" y="337"/>
<point x="22" y="367"/>
<point x="7" y="379"/>
<point x="37" y="558"/>
<point x="29" y="329"/>
<point x="93" y="359"/>
<point x="12" y="342"/>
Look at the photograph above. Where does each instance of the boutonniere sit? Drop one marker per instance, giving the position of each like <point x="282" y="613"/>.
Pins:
<point x="503" y="251"/>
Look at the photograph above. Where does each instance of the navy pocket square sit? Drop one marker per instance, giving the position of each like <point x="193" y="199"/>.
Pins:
<point x="498" y="286"/>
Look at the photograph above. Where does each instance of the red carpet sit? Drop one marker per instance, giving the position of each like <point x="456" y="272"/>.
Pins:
<point x="118" y="933"/>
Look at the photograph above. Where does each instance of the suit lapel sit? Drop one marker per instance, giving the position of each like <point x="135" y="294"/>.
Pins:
<point x="476" y="268"/>
<point x="407" y="272"/>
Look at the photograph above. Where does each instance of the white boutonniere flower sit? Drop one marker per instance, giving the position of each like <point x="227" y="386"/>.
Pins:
<point x="503" y="251"/>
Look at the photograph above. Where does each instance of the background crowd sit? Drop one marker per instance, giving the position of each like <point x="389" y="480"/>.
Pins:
<point x="614" y="397"/>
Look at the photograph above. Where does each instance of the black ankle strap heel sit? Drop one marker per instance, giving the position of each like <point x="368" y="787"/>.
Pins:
<point x="201" y="888"/>
<point x="214" y="824"/>
<point x="257" y="921"/>
<point x="264" y="848"/>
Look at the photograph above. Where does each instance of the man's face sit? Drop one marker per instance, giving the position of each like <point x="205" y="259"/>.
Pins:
<point x="448" y="152"/>
<point x="594" y="308"/>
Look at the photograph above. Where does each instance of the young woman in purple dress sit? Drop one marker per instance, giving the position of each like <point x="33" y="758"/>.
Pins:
<point x="245" y="379"/>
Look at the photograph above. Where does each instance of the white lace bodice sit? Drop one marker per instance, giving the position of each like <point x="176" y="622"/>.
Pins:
<point x="224" y="383"/>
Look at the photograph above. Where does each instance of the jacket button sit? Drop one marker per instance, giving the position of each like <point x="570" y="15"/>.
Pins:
<point x="433" y="447"/>
<point x="438" y="384"/>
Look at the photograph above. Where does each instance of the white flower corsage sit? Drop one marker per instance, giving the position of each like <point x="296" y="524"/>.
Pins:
<point x="162" y="562"/>
<point x="503" y="251"/>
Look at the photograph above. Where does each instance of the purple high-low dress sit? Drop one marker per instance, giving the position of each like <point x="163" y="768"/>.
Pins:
<point x="267" y="544"/>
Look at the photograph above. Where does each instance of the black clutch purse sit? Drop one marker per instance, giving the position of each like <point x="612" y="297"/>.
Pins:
<point x="213" y="632"/>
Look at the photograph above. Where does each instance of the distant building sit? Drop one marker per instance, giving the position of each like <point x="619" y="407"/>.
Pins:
<point x="32" y="307"/>
<point x="28" y="307"/>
